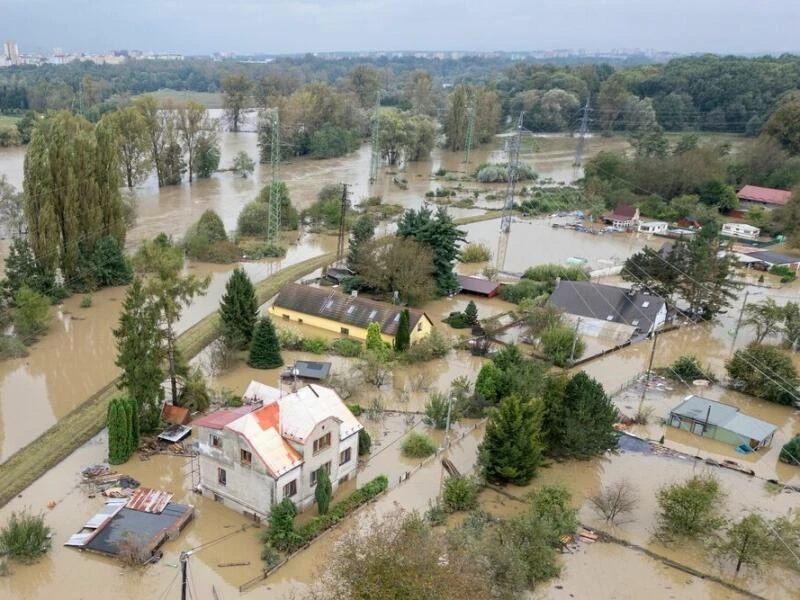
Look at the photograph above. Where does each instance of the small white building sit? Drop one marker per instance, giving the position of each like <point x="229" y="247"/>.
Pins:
<point x="253" y="457"/>
<point x="741" y="230"/>
<point x="653" y="227"/>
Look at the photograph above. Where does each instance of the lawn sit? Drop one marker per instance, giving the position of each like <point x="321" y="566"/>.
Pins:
<point x="207" y="99"/>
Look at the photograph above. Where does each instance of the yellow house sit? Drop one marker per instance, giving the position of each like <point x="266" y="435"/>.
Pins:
<point x="345" y="314"/>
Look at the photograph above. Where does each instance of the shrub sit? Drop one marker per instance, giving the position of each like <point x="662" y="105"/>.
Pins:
<point x="315" y="345"/>
<point x="418" y="445"/>
<point x="347" y="347"/>
<point x="25" y="537"/>
<point x="355" y="409"/>
<point x="12" y="347"/>
<point x="195" y="395"/>
<point x="472" y="253"/>
<point x="86" y="301"/>
<point x="253" y="219"/>
<point x="523" y="290"/>
<point x="436" y="514"/>
<point x="687" y="368"/>
<point x="436" y="345"/>
<point x="268" y="250"/>
<point x="436" y="410"/>
<point x="207" y="241"/>
<point x="131" y="550"/>
<point x="692" y="508"/>
<point x="460" y="493"/>
<point x="790" y="453"/>
<point x="290" y="338"/>
<point x="496" y="173"/>
<point x="775" y="379"/>
<point x="783" y="272"/>
<point x="558" y="342"/>
<point x="551" y="272"/>
<point x="364" y="442"/>
<point x="32" y="313"/>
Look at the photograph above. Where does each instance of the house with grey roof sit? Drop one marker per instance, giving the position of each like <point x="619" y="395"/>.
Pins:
<point x="722" y="422"/>
<point x="642" y="313"/>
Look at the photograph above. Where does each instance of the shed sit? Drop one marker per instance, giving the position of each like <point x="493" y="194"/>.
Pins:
<point x="478" y="286"/>
<point x="722" y="422"/>
<point x="741" y="230"/>
<point x="754" y="195"/>
<point x="175" y="415"/>
<point x="775" y="259"/>
<point x="308" y="369"/>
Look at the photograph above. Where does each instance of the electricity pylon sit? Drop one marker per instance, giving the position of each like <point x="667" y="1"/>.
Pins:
<point x="342" y="225"/>
<point x="471" y="115"/>
<point x="508" y="206"/>
<point x="375" y="159"/>
<point x="581" y="137"/>
<point x="274" y="213"/>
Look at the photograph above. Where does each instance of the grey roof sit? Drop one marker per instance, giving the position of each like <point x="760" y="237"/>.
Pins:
<point x="309" y="369"/>
<point x="607" y="303"/>
<point x="774" y="258"/>
<point x="344" y="308"/>
<point x="724" y="416"/>
<point x="145" y="526"/>
<point x="477" y="285"/>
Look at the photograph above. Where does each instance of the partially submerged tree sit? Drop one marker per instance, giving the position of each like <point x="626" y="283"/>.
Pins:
<point x="265" y="352"/>
<point x="25" y="537"/>
<point x="391" y="264"/>
<point x="765" y="317"/>
<point x="764" y="372"/>
<point x="690" y="509"/>
<point x="238" y="310"/>
<point x="749" y="542"/>
<point x="31" y="313"/>
<point x="243" y="165"/>
<point x="236" y="90"/>
<point x="511" y="450"/>
<point x="615" y="502"/>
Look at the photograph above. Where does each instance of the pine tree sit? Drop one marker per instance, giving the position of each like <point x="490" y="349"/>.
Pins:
<point x="471" y="313"/>
<point x="118" y="443"/>
<point x="140" y="355"/>
<point x="265" y="350"/>
<point x="132" y="418"/>
<point x="323" y="491"/>
<point x="579" y="421"/>
<point x="362" y="231"/>
<point x="402" y="339"/>
<point x="238" y="310"/>
<point x="510" y="451"/>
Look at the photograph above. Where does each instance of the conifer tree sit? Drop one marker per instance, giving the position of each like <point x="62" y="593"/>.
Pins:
<point x="402" y="339"/>
<point x="362" y="231"/>
<point x="264" y="349"/>
<point x="132" y="418"/>
<point x="510" y="451"/>
<point x="238" y="310"/>
<point x="579" y="421"/>
<point x="118" y="443"/>
<point x="323" y="491"/>
<point x="471" y="313"/>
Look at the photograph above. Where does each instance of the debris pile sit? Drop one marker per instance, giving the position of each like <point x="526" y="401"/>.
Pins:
<point x="101" y="479"/>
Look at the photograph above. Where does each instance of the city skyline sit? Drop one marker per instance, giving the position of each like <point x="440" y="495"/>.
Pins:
<point x="247" y="27"/>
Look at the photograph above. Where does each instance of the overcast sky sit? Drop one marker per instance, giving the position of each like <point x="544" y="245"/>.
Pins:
<point x="289" y="26"/>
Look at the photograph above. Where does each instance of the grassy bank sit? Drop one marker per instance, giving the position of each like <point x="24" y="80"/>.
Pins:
<point x="207" y="99"/>
<point x="31" y="462"/>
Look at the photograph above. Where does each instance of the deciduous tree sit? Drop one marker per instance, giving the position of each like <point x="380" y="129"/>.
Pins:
<point x="690" y="509"/>
<point x="764" y="372"/>
<point x="749" y="541"/>
<point x="391" y="264"/>
<point x="236" y="90"/>
<point x="243" y="165"/>
<point x="765" y="317"/>
<point x="31" y="313"/>
<point x="133" y="143"/>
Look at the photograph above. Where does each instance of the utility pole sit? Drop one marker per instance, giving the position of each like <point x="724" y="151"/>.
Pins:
<point x="739" y="320"/>
<point x="447" y="423"/>
<point x="274" y="213"/>
<point x="375" y="158"/>
<point x="184" y="560"/>
<point x="649" y="370"/>
<point x="574" y="342"/>
<point x="342" y="225"/>
<point x="471" y="115"/>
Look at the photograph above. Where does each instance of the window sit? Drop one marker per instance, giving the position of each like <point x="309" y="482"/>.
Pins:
<point x="328" y="305"/>
<point x="610" y="318"/>
<point x="322" y="443"/>
<point x="222" y="476"/>
<point x="645" y="304"/>
<point x="345" y="331"/>
<point x="396" y="317"/>
<point x="290" y="489"/>
<point x="344" y="456"/>
<point x="216" y="441"/>
<point x="245" y="456"/>
<point x="635" y="322"/>
<point x="373" y="314"/>
<point x="351" y="309"/>
<point x="315" y="474"/>
<point x="419" y="327"/>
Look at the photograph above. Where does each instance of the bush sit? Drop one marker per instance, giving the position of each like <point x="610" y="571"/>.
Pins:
<point x="195" y="395"/>
<point x="347" y="347"/>
<point x="418" y="445"/>
<point x="12" y="347"/>
<point x="207" y="241"/>
<point x="688" y="368"/>
<point x="266" y="251"/>
<point x="774" y="380"/>
<point x="436" y="345"/>
<point x="785" y="273"/>
<point x="436" y="514"/>
<point x="523" y="290"/>
<point x="691" y="509"/>
<point x="472" y="253"/>
<point x="253" y="219"/>
<point x="290" y="338"/>
<point x="315" y="345"/>
<point x="355" y="409"/>
<point x="460" y="493"/>
<point x="326" y="210"/>
<point x="558" y="342"/>
<point x="25" y="537"/>
<point x="551" y="272"/>
<point x="86" y="301"/>
<point x="436" y="411"/>
<point x="32" y="313"/>
<point x="457" y="320"/>
<point x="790" y="453"/>
<point x="496" y="173"/>
<point x="131" y="550"/>
<point x="364" y="442"/>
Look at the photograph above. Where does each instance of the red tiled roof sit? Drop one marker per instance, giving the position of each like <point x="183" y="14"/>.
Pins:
<point x="477" y="285"/>
<point x="754" y="193"/>
<point x="624" y="212"/>
<point x="219" y="419"/>
<point x="269" y="416"/>
<point x="176" y="415"/>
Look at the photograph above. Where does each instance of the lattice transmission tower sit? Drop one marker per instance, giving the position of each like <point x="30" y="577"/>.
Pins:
<point x="581" y="138"/>
<point x="274" y="213"/>
<point x="472" y="111"/>
<point x="508" y="206"/>
<point x="342" y="225"/>
<point x="375" y="141"/>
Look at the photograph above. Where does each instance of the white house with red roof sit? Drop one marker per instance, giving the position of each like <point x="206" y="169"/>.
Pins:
<point x="623" y="217"/>
<point x="274" y="447"/>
